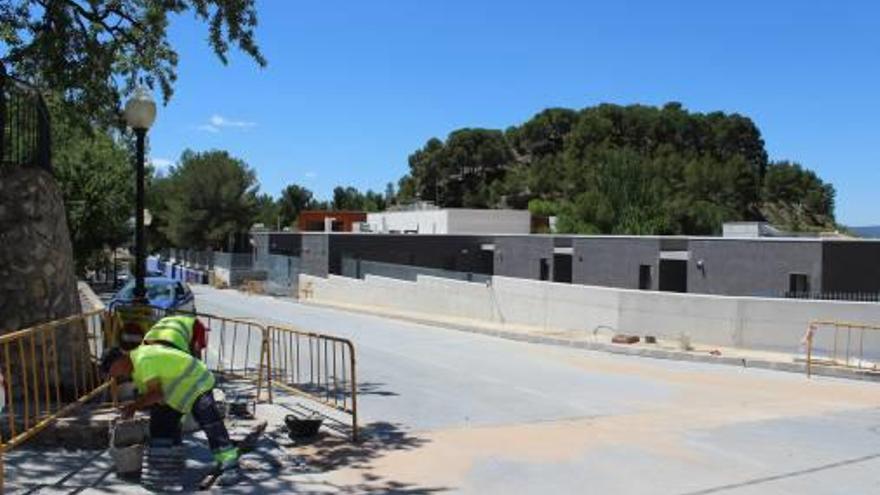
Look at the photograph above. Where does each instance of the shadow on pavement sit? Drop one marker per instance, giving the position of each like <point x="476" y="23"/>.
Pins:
<point x="330" y="452"/>
<point x="375" y="388"/>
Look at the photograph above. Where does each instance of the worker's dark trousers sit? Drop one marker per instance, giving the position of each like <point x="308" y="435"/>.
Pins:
<point x="165" y="424"/>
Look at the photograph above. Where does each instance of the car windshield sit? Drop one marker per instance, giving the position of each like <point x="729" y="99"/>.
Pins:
<point x="155" y="290"/>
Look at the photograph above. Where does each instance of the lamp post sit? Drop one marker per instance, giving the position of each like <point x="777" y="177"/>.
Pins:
<point x="140" y="112"/>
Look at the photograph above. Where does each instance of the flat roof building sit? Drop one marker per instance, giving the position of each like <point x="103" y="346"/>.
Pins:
<point x="428" y="220"/>
<point x="733" y="266"/>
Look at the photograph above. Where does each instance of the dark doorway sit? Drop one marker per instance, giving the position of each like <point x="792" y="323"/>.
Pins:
<point x="645" y="277"/>
<point x="673" y="275"/>
<point x="562" y="268"/>
<point x="798" y="285"/>
<point x="545" y="269"/>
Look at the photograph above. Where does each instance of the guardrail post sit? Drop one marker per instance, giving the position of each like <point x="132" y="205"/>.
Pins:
<point x="354" y="415"/>
<point x="810" y="329"/>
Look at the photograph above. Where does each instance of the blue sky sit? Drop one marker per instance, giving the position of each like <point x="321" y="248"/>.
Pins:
<point x="353" y="87"/>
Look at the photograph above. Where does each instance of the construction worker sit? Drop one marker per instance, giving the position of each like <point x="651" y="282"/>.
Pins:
<point x="179" y="331"/>
<point x="171" y="384"/>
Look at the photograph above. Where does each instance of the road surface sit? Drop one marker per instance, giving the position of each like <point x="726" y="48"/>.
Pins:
<point x="476" y="414"/>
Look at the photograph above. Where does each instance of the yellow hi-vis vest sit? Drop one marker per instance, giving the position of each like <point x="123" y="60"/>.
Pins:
<point x="174" y="330"/>
<point x="183" y="378"/>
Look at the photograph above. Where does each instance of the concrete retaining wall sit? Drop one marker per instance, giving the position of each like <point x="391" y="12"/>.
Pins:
<point x="744" y="322"/>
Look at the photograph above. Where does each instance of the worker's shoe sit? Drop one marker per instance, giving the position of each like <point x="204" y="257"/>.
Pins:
<point x="163" y="467"/>
<point x="227" y="465"/>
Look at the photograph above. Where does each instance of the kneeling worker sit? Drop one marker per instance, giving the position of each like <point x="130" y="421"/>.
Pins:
<point x="173" y="383"/>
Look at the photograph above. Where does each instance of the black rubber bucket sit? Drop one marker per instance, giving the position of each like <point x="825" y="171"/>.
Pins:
<point x="303" y="428"/>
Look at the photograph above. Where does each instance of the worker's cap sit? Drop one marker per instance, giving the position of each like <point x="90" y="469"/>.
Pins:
<point x="109" y="357"/>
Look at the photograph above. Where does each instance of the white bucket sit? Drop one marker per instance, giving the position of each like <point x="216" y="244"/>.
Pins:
<point x="128" y="459"/>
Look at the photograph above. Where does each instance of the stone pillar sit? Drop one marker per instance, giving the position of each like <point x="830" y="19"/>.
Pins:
<point x="37" y="280"/>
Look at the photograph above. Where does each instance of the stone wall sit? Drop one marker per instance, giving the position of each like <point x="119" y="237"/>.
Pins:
<point x="37" y="281"/>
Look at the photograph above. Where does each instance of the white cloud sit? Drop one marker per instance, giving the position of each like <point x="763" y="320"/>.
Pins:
<point x="161" y="163"/>
<point x="219" y="121"/>
<point x="311" y="175"/>
<point x="208" y="128"/>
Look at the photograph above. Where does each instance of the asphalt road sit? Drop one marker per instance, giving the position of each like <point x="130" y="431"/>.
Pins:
<point x="478" y="414"/>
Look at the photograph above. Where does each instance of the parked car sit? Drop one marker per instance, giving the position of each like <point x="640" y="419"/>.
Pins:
<point x="162" y="292"/>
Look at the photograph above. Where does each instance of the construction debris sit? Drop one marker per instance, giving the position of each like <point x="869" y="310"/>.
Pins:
<point x="625" y="339"/>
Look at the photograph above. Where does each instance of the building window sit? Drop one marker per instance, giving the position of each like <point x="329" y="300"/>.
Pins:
<point x="644" y="277"/>
<point x="798" y="284"/>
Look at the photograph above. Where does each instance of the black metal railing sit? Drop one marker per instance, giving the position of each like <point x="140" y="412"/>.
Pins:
<point x="835" y="296"/>
<point x="24" y="125"/>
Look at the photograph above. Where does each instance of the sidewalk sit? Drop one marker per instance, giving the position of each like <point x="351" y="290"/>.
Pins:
<point x="276" y="466"/>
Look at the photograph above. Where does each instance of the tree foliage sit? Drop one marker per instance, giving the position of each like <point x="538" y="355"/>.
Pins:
<point x="268" y="211"/>
<point x="619" y="169"/>
<point x="351" y="199"/>
<point x="92" y="51"/>
<point x="206" y="198"/>
<point x="294" y="199"/>
<point x="93" y="170"/>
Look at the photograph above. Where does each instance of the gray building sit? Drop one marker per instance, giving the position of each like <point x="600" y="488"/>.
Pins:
<point x="759" y="266"/>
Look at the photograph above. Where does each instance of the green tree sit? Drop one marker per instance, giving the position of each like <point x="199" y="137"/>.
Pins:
<point x="390" y="194"/>
<point x="795" y="197"/>
<point x="294" y="199"/>
<point x="159" y="188"/>
<point x="94" y="172"/>
<point x="347" y="198"/>
<point x="94" y="51"/>
<point x="210" y="196"/>
<point x="621" y="169"/>
<point x="268" y="211"/>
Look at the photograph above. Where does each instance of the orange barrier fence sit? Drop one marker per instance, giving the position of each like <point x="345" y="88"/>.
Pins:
<point x="318" y="366"/>
<point x="48" y="371"/>
<point x="841" y="343"/>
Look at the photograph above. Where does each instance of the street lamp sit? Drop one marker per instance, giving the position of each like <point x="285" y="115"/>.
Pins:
<point x="140" y="112"/>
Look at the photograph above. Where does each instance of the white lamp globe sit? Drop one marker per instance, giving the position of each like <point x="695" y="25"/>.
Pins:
<point x="140" y="110"/>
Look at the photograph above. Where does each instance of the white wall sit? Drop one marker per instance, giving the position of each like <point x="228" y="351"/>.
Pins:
<point x="421" y="221"/>
<point x="746" y="322"/>
<point x="452" y="221"/>
<point x="470" y="221"/>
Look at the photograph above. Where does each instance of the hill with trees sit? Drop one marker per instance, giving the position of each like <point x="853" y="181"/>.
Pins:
<point x="622" y="170"/>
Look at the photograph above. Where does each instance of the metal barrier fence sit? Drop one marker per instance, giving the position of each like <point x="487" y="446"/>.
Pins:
<point x="844" y="345"/>
<point x="320" y="367"/>
<point x="47" y="372"/>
